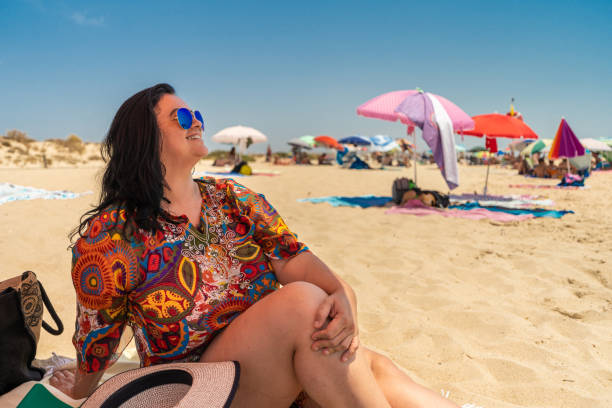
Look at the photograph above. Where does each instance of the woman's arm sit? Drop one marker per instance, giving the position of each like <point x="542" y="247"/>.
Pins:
<point x="339" y="310"/>
<point x="75" y="383"/>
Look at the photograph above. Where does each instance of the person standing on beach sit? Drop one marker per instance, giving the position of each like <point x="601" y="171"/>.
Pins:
<point x="207" y="270"/>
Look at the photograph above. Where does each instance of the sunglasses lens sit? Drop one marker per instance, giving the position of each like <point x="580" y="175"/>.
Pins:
<point x="199" y="117"/>
<point x="184" y="118"/>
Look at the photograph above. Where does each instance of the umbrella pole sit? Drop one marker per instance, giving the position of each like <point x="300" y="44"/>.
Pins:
<point x="568" y="165"/>
<point x="487" y="179"/>
<point x="415" y="157"/>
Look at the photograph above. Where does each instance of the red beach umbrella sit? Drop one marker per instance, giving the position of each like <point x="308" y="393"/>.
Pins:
<point x="329" y="141"/>
<point x="497" y="125"/>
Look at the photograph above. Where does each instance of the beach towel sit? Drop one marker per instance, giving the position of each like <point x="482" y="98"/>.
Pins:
<point x="571" y="180"/>
<point x="39" y="396"/>
<point x="544" y="186"/>
<point x="514" y="201"/>
<point x="416" y="207"/>
<point x="478" y="197"/>
<point x="12" y="192"/>
<point x="536" y="212"/>
<point x="364" y="201"/>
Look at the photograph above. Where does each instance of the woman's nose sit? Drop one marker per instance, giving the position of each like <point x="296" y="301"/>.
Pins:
<point x="195" y="121"/>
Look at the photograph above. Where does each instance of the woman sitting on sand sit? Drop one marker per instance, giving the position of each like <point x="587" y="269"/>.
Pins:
<point x="195" y="267"/>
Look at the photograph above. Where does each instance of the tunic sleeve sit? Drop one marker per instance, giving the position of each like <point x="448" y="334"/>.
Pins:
<point x="270" y="230"/>
<point x="104" y="270"/>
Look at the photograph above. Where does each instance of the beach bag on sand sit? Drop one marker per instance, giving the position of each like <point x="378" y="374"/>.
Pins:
<point x="21" y="317"/>
<point x="400" y="186"/>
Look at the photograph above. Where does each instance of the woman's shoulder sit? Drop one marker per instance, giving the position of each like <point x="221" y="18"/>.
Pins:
<point x="227" y="185"/>
<point x="111" y="223"/>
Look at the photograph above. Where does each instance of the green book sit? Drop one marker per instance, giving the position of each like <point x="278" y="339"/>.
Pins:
<point x="39" y="396"/>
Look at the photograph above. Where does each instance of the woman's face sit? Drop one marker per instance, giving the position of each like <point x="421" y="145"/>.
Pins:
<point x="179" y="147"/>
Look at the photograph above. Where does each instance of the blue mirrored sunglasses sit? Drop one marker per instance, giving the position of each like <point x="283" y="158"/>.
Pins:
<point x="185" y="118"/>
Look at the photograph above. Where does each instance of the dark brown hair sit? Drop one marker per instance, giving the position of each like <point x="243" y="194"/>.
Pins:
<point x="134" y="174"/>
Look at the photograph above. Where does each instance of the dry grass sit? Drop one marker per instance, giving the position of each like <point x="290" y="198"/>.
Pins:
<point x="65" y="158"/>
<point x="18" y="136"/>
<point x="75" y="144"/>
<point x="17" y="150"/>
<point x="32" y="160"/>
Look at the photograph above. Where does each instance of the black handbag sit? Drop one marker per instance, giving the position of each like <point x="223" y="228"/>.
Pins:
<point x="21" y="312"/>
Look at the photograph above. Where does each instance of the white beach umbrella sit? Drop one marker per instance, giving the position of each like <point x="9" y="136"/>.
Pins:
<point x="233" y="135"/>
<point x="595" y="145"/>
<point x="240" y="136"/>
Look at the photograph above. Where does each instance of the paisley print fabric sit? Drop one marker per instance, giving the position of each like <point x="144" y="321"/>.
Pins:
<point x="179" y="286"/>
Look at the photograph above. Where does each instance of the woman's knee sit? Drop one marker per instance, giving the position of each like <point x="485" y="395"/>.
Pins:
<point x="302" y="299"/>
<point x="381" y="365"/>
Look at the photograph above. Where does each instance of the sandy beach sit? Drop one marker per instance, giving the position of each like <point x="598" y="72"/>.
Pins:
<point x="501" y="315"/>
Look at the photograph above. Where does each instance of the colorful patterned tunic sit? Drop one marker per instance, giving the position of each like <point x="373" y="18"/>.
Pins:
<point x="175" y="287"/>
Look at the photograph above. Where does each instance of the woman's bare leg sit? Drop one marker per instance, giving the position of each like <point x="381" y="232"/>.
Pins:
<point x="399" y="389"/>
<point x="272" y="342"/>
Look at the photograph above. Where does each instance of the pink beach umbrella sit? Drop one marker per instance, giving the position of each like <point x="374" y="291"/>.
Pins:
<point x="409" y="107"/>
<point x="384" y="106"/>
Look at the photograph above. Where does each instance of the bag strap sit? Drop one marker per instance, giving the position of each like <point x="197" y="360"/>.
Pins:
<point x="49" y="306"/>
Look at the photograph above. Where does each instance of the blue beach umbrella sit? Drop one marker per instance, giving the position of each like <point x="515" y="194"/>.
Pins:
<point x="383" y="143"/>
<point x="356" y="140"/>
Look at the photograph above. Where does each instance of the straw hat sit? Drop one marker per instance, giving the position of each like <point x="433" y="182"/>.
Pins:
<point x="180" y="385"/>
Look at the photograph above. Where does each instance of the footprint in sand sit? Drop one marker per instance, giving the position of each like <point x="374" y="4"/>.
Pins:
<point x="509" y="372"/>
<point x="605" y="278"/>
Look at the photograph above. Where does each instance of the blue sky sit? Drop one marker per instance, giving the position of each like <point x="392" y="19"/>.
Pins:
<point x="295" y="68"/>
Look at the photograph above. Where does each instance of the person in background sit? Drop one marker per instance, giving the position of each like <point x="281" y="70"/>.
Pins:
<point x="268" y="154"/>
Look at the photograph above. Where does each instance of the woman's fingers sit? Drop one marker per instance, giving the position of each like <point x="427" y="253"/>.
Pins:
<point x="341" y="347"/>
<point x="331" y="343"/>
<point x="352" y="349"/>
<point x="63" y="380"/>
<point x="323" y="312"/>
<point x="333" y="329"/>
<point x="62" y="375"/>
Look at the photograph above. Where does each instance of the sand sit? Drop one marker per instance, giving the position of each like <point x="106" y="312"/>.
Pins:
<point x="502" y="315"/>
